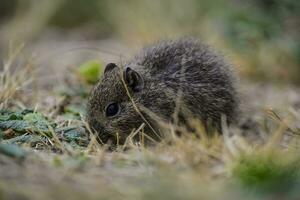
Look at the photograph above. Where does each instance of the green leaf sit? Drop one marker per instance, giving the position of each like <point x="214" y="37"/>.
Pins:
<point x="267" y="172"/>
<point x="24" y="121"/>
<point x="74" y="134"/>
<point x="90" y="71"/>
<point x="34" y="117"/>
<point x="25" y="139"/>
<point x="13" y="151"/>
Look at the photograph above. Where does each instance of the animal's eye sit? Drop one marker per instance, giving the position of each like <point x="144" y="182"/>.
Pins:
<point x="112" y="109"/>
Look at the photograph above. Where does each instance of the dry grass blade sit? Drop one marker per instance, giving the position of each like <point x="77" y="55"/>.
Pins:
<point x="13" y="77"/>
<point x="136" y="107"/>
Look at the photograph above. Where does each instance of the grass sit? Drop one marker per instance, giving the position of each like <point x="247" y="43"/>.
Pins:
<point x="51" y="154"/>
<point x="12" y="79"/>
<point x="268" y="172"/>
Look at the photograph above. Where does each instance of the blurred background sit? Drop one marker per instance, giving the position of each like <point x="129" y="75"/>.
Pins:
<point x="260" y="37"/>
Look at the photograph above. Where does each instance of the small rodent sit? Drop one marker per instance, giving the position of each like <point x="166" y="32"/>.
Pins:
<point x="185" y="69"/>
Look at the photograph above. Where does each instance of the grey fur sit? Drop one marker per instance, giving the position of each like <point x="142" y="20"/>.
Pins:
<point x="183" y="69"/>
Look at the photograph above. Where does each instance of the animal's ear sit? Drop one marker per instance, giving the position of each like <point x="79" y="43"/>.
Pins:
<point x="109" y="67"/>
<point x="133" y="79"/>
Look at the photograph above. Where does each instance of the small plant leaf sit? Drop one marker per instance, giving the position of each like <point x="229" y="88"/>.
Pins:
<point x="90" y="71"/>
<point x="24" y="121"/>
<point x="13" y="151"/>
<point x="267" y="173"/>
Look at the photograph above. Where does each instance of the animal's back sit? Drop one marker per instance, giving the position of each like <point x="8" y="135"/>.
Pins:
<point x="199" y="77"/>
